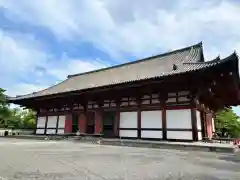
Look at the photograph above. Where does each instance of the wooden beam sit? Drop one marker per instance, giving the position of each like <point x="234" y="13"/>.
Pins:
<point x="117" y="118"/>
<point x="139" y="116"/>
<point x="164" y="120"/>
<point x="194" y="120"/>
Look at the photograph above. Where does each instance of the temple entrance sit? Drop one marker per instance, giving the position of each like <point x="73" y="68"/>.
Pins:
<point x="75" y="118"/>
<point x="108" y="124"/>
<point x="90" y="122"/>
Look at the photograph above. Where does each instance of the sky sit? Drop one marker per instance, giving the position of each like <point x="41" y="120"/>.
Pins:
<point x="43" y="41"/>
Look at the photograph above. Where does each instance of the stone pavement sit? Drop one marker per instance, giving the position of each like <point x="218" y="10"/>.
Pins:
<point x="199" y="146"/>
<point x="67" y="160"/>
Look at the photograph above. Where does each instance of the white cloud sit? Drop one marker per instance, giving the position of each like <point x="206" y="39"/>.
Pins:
<point x="23" y="88"/>
<point x="74" y="66"/>
<point x="137" y="27"/>
<point x="17" y="53"/>
<point x="116" y="27"/>
<point x="20" y="57"/>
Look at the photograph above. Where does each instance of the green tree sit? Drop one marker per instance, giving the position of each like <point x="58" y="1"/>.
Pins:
<point x="14" y="120"/>
<point x="226" y="121"/>
<point x="28" y="119"/>
<point x="15" y="117"/>
<point x="5" y="113"/>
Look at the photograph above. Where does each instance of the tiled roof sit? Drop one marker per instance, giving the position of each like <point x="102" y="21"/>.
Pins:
<point x="185" y="60"/>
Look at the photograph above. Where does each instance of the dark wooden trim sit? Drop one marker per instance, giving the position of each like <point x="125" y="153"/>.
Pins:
<point x="177" y="107"/>
<point x="157" y="129"/>
<point x="49" y="128"/>
<point x="46" y="122"/>
<point x="85" y="113"/>
<point x="57" y="124"/>
<point x="156" y="107"/>
<point x="182" y="105"/>
<point x="194" y="121"/>
<point x="180" y="140"/>
<point x="127" y="137"/>
<point x="169" y="106"/>
<point x="35" y="130"/>
<point x="54" y="113"/>
<point x="128" y="129"/>
<point x="152" y="139"/>
<point x="139" y="121"/>
<point x="164" y="119"/>
<point x="142" y="129"/>
<point x="178" y="129"/>
<point x="202" y="123"/>
<point x="117" y="119"/>
<point x="151" y="129"/>
<point x="135" y="109"/>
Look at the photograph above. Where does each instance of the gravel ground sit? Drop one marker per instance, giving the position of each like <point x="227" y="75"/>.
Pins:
<point x="65" y="160"/>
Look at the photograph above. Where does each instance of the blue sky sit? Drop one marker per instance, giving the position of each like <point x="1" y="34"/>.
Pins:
<point x="41" y="42"/>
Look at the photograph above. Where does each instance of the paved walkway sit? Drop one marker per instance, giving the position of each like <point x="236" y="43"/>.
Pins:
<point x="200" y="146"/>
<point x="67" y="160"/>
<point x="176" y="143"/>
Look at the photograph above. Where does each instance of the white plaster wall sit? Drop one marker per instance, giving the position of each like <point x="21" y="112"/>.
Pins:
<point x="60" y="131"/>
<point x="199" y="125"/>
<point x="51" y="131"/>
<point x="128" y="133"/>
<point x="180" y="119"/>
<point x="128" y="119"/>
<point x="185" y="135"/>
<point x="151" y="134"/>
<point x="200" y="136"/>
<point x="40" y="131"/>
<point x="41" y="122"/>
<point x="61" y="122"/>
<point x="151" y="119"/>
<point x="52" y="122"/>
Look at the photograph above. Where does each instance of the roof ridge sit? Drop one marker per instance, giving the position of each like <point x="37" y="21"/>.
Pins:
<point x="140" y="60"/>
<point x="205" y="62"/>
<point x="216" y="60"/>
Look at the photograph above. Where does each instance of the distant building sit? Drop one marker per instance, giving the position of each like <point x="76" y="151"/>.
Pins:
<point x="170" y="96"/>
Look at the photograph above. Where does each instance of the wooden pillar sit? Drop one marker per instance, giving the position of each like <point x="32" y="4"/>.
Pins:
<point x="46" y="122"/>
<point x="164" y="120"/>
<point x="98" y="119"/>
<point x="194" y="120"/>
<point x="163" y="98"/>
<point x="209" y="124"/>
<point x="68" y="124"/>
<point x="203" y="123"/>
<point x="138" y="117"/>
<point x="85" y="118"/>
<point x="82" y="119"/>
<point x="35" y="130"/>
<point x="139" y="123"/>
<point x="82" y="122"/>
<point x="57" y="124"/>
<point x="117" y="119"/>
